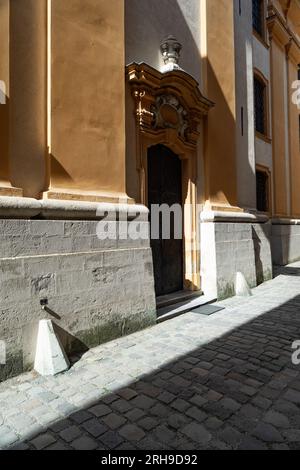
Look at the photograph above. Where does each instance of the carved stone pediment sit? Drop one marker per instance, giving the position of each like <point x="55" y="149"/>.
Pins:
<point x="169" y="100"/>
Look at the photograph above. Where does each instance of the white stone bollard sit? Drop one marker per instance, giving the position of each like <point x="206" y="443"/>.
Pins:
<point x="242" y="288"/>
<point x="50" y="357"/>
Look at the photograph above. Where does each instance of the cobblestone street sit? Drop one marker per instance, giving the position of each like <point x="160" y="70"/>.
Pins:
<point x="224" y="381"/>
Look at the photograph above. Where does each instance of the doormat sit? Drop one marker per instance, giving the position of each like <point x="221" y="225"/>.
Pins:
<point x="207" y="309"/>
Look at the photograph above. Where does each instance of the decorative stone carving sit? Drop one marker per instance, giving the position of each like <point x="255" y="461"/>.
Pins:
<point x="170" y="49"/>
<point x="169" y="113"/>
<point x="169" y="101"/>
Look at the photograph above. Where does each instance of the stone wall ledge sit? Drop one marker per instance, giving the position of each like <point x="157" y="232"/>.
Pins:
<point x="235" y="217"/>
<point x="22" y="208"/>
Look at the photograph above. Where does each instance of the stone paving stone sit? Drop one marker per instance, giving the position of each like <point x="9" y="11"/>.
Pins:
<point x="196" y="414"/>
<point x="250" y="443"/>
<point x="148" y="423"/>
<point x="197" y="433"/>
<point x="135" y="414"/>
<point x="250" y="411"/>
<point x="43" y="441"/>
<point x="60" y="425"/>
<point x="131" y="432"/>
<point x="166" y="397"/>
<point x="81" y="416"/>
<point x="230" y="436"/>
<point x="177" y="420"/>
<point x="160" y="410"/>
<point x="230" y="404"/>
<point x="164" y="434"/>
<point x="267" y="433"/>
<point x="84" y="443"/>
<point x="213" y="396"/>
<point x="111" y="439"/>
<point x="261" y="402"/>
<point x="94" y="427"/>
<point x="293" y="396"/>
<point x="180" y="405"/>
<point x="213" y="423"/>
<point x="143" y="402"/>
<point x="198" y="400"/>
<point x="127" y="393"/>
<point x="122" y="405"/>
<point x="69" y="434"/>
<point x="113" y="421"/>
<point x="276" y="419"/>
<point x="100" y="410"/>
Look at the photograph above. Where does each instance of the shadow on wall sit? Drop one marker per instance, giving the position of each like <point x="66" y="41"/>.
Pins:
<point x="220" y="126"/>
<point x="58" y="172"/>
<point x="221" y="395"/>
<point x="146" y="24"/>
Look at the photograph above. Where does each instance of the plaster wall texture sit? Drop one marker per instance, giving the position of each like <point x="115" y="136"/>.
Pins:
<point x="96" y="290"/>
<point x="88" y="99"/>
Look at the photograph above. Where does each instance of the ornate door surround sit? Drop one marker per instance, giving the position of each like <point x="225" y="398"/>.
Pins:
<point x="168" y="110"/>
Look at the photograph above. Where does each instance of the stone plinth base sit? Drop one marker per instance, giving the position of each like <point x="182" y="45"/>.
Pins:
<point x="285" y="241"/>
<point x="95" y="290"/>
<point x="231" y="243"/>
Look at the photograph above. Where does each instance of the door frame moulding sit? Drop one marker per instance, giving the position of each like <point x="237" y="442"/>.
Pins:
<point x="169" y="108"/>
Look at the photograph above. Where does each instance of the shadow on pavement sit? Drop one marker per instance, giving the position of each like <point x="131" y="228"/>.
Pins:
<point x="240" y="391"/>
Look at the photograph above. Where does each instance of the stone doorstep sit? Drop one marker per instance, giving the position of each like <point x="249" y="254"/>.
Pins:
<point x="176" y="297"/>
<point x="172" y="311"/>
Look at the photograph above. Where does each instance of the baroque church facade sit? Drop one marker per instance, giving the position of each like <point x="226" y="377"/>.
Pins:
<point x="115" y="106"/>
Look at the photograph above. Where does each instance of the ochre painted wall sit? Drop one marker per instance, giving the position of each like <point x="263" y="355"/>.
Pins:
<point x="4" y="76"/>
<point x="294" y="142"/>
<point x="220" y="152"/>
<point x="88" y="99"/>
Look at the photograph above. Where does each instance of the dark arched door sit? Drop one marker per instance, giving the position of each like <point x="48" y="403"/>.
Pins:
<point x="165" y="187"/>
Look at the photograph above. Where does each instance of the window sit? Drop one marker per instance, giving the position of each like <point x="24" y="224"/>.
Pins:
<point x="262" y="190"/>
<point x="258" y="17"/>
<point x="260" y="106"/>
